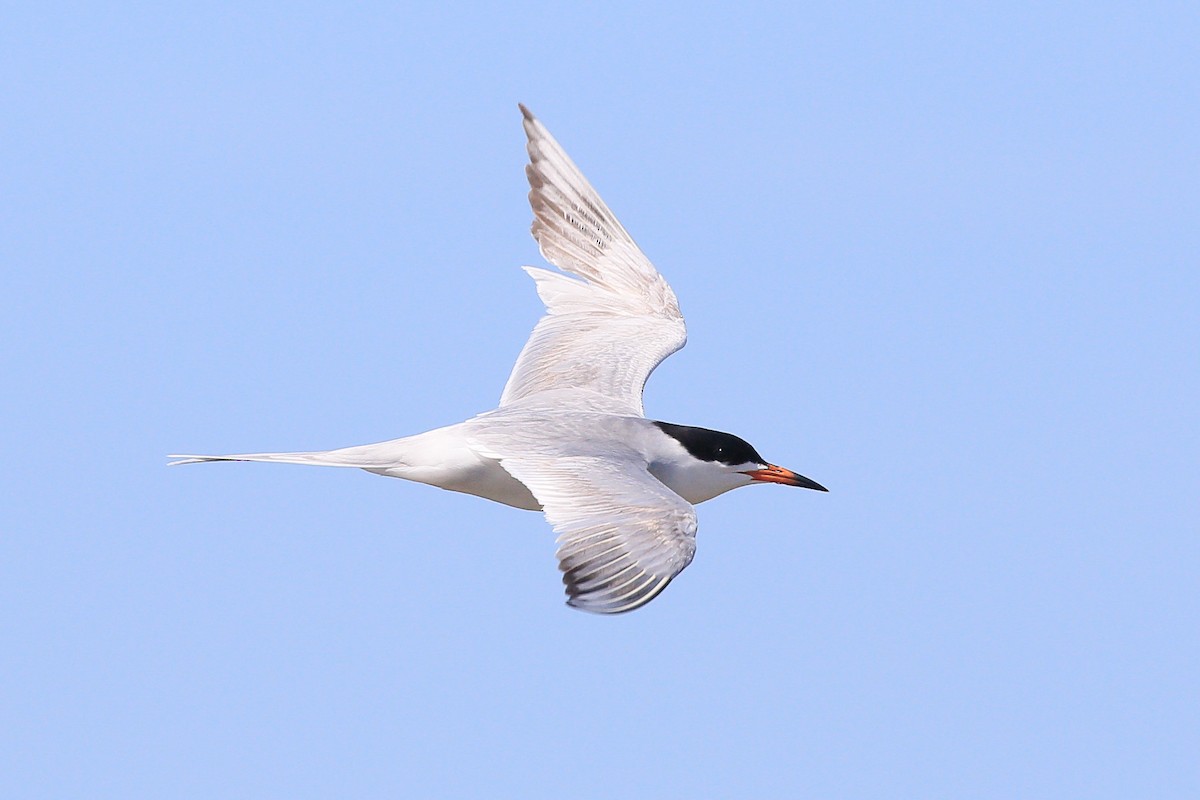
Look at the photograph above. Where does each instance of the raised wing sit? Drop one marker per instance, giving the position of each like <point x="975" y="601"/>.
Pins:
<point x="622" y="534"/>
<point x="604" y="334"/>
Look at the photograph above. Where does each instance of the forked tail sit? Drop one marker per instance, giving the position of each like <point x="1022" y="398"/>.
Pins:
<point x="364" y="457"/>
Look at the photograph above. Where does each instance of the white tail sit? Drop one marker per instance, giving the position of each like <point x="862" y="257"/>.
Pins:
<point x="366" y="456"/>
<point x="441" y="457"/>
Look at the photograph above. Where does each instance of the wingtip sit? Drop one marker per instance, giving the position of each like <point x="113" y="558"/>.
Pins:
<point x="599" y="611"/>
<point x="534" y="129"/>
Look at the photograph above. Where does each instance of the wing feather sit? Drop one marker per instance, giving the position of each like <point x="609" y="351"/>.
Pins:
<point x="623" y="535"/>
<point x="607" y="329"/>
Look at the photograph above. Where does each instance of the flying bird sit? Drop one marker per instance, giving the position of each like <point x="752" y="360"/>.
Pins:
<point x="570" y="437"/>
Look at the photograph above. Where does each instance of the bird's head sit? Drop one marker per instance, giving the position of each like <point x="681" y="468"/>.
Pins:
<point x="713" y="462"/>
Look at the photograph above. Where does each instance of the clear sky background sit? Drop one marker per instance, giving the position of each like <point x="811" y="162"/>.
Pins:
<point x="942" y="260"/>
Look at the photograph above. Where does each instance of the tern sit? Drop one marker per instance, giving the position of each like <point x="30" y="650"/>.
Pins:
<point x="570" y="437"/>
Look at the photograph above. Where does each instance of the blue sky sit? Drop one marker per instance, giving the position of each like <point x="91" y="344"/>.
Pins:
<point x="941" y="259"/>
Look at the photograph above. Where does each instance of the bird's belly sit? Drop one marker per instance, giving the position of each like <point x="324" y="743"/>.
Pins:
<point x="482" y="478"/>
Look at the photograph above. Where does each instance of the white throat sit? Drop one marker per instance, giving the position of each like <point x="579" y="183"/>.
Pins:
<point x="695" y="480"/>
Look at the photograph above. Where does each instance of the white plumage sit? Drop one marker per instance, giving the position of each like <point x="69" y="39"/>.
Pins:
<point x="569" y="436"/>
